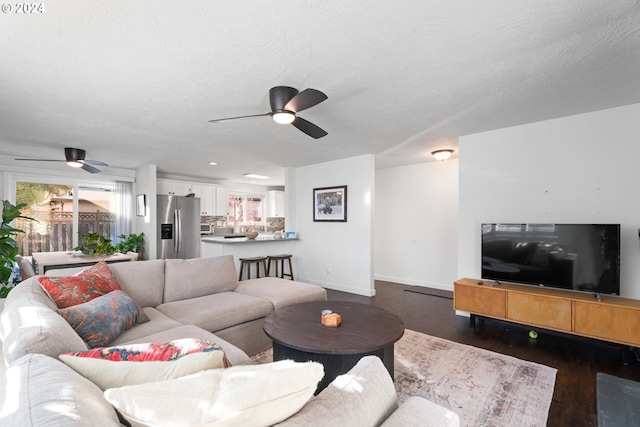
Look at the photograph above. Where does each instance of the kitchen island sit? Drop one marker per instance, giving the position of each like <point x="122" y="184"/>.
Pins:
<point x="242" y="247"/>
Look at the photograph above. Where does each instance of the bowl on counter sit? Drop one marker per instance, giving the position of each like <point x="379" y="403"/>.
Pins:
<point x="251" y="234"/>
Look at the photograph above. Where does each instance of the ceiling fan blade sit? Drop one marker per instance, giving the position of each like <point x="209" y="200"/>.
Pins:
<point x="90" y="168"/>
<point x="238" y="117"/>
<point x="95" y="162"/>
<point x="309" y="128"/>
<point x="305" y="99"/>
<point x="42" y="160"/>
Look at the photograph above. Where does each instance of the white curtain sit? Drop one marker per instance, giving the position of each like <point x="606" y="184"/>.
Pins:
<point x="122" y="207"/>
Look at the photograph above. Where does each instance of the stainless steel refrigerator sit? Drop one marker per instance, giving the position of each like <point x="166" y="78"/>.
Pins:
<point x="178" y="227"/>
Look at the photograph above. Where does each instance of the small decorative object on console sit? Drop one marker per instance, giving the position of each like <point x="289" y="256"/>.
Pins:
<point x="331" y="320"/>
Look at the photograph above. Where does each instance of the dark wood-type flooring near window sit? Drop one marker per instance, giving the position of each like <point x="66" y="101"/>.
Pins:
<point x="577" y="359"/>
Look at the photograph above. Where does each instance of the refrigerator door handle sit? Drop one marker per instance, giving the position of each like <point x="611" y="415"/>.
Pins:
<point x="176" y="234"/>
<point x="179" y="231"/>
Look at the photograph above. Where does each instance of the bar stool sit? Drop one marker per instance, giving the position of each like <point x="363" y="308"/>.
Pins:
<point x="257" y="261"/>
<point x="279" y="260"/>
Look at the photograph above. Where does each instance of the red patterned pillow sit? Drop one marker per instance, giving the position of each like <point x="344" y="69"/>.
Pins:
<point x="132" y="364"/>
<point x="91" y="283"/>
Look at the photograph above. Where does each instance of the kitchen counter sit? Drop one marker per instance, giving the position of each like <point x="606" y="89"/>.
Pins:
<point x="242" y="247"/>
<point x="235" y="240"/>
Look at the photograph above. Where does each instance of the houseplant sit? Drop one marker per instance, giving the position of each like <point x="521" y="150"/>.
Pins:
<point x="95" y="244"/>
<point x="131" y="243"/>
<point x="8" y="245"/>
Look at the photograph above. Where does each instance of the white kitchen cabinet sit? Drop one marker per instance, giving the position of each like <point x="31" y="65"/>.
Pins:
<point x="207" y="195"/>
<point x="222" y="201"/>
<point x="174" y="188"/>
<point x="276" y="204"/>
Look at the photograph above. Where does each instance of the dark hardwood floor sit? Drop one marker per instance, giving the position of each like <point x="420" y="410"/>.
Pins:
<point x="576" y="359"/>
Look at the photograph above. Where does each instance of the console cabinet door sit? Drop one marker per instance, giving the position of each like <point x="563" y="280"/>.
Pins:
<point x="539" y="310"/>
<point x="481" y="300"/>
<point x="607" y="322"/>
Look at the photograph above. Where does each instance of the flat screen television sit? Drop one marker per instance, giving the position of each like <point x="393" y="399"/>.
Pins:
<point x="579" y="257"/>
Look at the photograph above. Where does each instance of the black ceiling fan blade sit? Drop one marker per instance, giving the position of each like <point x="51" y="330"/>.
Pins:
<point x="95" y="162"/>
<point x="309" y="128"/>
<point x="42" y="160"/>
<point x="305" y="99"/>
<point x="238" y="117"/>
<point x="90" y="168"/>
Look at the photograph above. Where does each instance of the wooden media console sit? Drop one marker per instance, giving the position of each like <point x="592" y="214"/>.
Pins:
<point x="610" y="318"/>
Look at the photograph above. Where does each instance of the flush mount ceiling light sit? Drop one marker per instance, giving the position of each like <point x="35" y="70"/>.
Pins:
<point x="255" y="176"/>
<point x="213" y="163"/>
<point x="442" y="154"/>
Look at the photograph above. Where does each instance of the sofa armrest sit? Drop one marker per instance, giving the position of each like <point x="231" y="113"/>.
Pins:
<point x="419" y="412"/>
<point x="364" y="396"/>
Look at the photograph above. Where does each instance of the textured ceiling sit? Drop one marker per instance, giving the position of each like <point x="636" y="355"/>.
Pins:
<point x="135" y="82"/>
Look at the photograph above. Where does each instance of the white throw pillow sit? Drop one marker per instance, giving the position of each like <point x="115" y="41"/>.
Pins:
<point x="133" y="364"/>
<point x="249" y="396"/>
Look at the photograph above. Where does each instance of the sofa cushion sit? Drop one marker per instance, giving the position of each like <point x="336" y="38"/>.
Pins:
<point x="27" y="326"/>
<point x="132" y="364"/>
<point x="256" y="395"/>
<point x="217" y="311"/>
<point x="158" y="322"/>
<point x="102" y="319"/>
<point x="419" y="412"/>
<point x="233" y="353"/>
<point x="91" y="283"/>
<point x="31" y="289"/>
<point x="141" y="280"/>
<point x="37" y="390"/>
<point x="363" y="397"/>
<point x="281" y="292"/>
<point x="191" y="278"/>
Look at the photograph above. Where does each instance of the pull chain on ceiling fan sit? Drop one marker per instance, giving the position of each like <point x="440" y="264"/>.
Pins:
<point x="286" y="102"/>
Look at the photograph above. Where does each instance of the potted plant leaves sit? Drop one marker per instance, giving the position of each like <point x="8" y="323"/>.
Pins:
<point x="131" y="243"/>
<point x="8" y="246"/>
<point x="95" y="244"/>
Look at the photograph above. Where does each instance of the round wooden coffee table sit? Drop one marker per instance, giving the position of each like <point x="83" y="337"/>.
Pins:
<point x="298" y="334"/>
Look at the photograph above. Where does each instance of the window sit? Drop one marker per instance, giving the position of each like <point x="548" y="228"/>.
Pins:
<point x="64" y="212"/>
<point x="245" y="209"/>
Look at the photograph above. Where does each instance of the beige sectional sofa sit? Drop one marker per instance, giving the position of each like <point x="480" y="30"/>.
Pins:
<point x="196" y="298"/>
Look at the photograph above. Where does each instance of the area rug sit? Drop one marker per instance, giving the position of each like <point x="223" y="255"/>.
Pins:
<point x="484" y="388"/>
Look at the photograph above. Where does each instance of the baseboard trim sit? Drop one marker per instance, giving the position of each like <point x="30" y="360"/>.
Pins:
<point x="402" y="281"/>
<point x="341" y="288"/>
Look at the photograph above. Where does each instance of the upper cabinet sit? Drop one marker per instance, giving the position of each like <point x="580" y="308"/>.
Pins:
<point x="213" y="198"/>
<point x="276" y="204"/>
<point x="173" y="188"/>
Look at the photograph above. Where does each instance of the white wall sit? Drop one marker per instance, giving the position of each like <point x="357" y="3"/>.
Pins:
<point x="416" y="224"/>
<point x="336" y="255"/>
<point x="146" y="184"/>
<point x="578" y="169"/>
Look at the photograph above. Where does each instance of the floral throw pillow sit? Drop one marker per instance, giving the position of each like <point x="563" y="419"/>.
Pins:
<point x="133" y="364"/>
<point x="101" y="320"/>
<point x="91" y="283"/>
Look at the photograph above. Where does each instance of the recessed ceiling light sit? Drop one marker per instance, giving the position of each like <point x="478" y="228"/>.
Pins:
<point x="256" y="176"/>
<point x="213" y="163"/>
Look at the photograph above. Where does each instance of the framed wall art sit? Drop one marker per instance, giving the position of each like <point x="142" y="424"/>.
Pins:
<point x="330" y="204"/>
<point x="141" y="204"/>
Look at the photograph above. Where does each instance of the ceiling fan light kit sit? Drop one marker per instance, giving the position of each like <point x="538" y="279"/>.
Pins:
<point x="283" y="117"/>
<point x="286" y="102"/>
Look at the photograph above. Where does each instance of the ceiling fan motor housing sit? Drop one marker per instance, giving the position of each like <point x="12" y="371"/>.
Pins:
<point x="74" y="154"/>
<point x="279" y="96"/>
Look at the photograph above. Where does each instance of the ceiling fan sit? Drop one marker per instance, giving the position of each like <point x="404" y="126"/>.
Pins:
<point x="286" y="102"/>
<point x="75" y="157"/>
